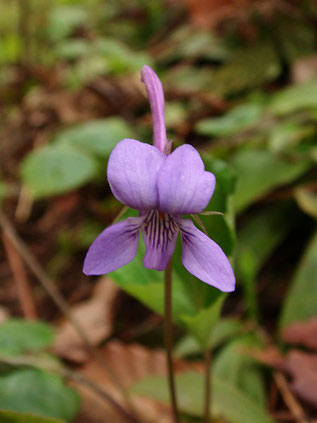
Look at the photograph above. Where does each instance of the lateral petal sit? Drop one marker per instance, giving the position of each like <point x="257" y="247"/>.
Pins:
<point x="204" y="258"/>
<point x="113" y="248"/>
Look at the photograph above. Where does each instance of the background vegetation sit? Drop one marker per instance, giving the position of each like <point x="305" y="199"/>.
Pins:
<point x="240" y="79"/>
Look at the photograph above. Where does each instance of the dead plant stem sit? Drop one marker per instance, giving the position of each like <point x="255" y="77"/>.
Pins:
<point x="24" y="290"/>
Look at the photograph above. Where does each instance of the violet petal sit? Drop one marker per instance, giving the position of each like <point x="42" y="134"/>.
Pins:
<point x="183" y="184"/>
<point x="113" y="248"/>
<point x="204" y="258"/>
<point x="155" y="94"/>
<point x="159" y="234"/>
<point x="132" y="173"/>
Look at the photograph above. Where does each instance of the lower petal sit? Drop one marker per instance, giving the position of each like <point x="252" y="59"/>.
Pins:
<point x="113" y="248"/>
<point x="159" y="234"/>
<point x="204" y="258"/>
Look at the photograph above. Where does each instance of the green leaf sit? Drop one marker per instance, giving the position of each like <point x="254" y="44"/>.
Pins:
<point x="13" y="417"/>
<point x="63" y="20"/>
<point x="224" y="329"/>
<point x="119" y="57"/>
<point x="148" y="287"/>
<point x="53" y="170"/>
<point x="299" y="42"/>
<point x="221" y="228"/>
<point x="72" y="49"/>
<point x="175" y="114"/>
<point x="38" y="392"/>
<point x="236" y="120"/>
<point x="252" y="384"/>
<point x="307" y="200"/>
<point x="247" y="68"/>
<point x="19" y="336"/>
<point x="287" y="134"/>
<point x="188" y="79"/>
<point x="297" y="97"/>
<point x="187" y="42"/>
<point x="234" y="364"/>
<point x="227" y="400"/>
<point x="191" y="297"/>
<point x="10" y="47"/>
<point x="301" y="300"/>
<point x="257" y="239"/>
<point x="201" y="325"/>
<point x="259" y="172"/>
<point x="98" y="137"/>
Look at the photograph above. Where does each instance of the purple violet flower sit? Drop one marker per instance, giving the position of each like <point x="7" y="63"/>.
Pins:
<point x="162" y="187"/>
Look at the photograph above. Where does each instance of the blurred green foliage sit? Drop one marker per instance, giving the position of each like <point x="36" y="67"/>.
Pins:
<point x="246" y="96"/>
<point x="32" y="388"/>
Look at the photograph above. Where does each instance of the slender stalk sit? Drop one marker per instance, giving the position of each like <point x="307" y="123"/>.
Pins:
<point x="168" y="335"/>
<point x="208" y="393"/>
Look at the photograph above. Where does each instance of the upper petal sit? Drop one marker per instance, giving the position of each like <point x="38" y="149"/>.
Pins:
<point x="132" y="173"/>
<point x="155" y="94"/>
<point x="204" y="258"/>
<point x="113" y="248"/>
<point x="159" y="233"/>
<point x="183" y="184"/>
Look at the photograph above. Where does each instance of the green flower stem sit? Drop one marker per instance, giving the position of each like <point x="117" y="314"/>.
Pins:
<point x="208" y="393"/>
<point x="168" y="335"/>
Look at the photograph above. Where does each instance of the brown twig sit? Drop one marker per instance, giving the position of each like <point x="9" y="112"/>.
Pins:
<point x="290" y="400"/>
<point x="24" y="206"/>
<point x="24" y="290"/>
<point x="54" y="293"/>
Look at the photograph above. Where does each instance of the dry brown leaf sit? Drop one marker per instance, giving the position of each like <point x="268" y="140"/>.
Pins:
<point x="205" y="13"/>
<point x="209" y="13"/>
<point x="304" y="69"/>
<point x="302" y="333"/>
<point x="128" y="364"/>
<point x="4" y="314"/>
<point x="270" y="357"/>
<point x="43" y="105"/>
<point x="303" y="369"/>
<point x="95" y="317"/>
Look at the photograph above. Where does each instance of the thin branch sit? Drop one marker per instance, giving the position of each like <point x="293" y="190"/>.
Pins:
<point x="54" y="293"/>
<point x="24" y="290"/>
<point x="24" y="206"/>
<point x="290" y="400"/>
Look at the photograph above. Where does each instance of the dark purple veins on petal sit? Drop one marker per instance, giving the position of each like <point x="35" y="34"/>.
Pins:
<point x="159" y="233"/>
<point x="159" y="228"/>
